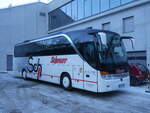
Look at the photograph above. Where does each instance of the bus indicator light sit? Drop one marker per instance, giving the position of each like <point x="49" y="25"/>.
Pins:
<point x="104" y="73"/>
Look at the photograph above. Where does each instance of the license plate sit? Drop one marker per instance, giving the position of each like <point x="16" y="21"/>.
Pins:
<point x="121" y="85"/>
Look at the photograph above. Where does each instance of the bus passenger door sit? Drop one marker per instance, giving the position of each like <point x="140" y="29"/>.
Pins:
<point x="90" y="78"/>
<point x="77" y="71"/>
<point x="77" y="80"/>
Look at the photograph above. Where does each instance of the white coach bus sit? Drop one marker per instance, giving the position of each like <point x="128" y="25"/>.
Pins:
<point x="89" y="59"/>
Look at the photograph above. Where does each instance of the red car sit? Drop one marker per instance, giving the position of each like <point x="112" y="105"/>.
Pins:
<point x="138" y="74"/>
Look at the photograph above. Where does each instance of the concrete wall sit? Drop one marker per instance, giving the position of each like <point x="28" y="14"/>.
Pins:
<point x="18" y="24"/>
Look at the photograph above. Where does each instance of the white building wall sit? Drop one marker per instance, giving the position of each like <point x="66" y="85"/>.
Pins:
<point x="18" y="24"/>
<point x="147" y="33"/>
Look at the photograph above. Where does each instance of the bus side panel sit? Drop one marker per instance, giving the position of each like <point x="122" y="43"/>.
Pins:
<point x="49" y="71"/>
<point x="90" y="78"/>
<point x="54" y="66"/>
<point x="73" y="66"/>
<point x="19" y="64"/>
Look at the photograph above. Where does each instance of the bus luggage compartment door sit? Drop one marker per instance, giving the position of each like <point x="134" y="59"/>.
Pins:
<point x="90" y="78"/>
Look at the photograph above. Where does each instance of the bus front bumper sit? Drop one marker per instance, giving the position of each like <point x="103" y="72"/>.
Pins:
<point x="113" y="84"/>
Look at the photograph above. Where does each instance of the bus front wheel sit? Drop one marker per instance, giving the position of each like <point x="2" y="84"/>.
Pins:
<point x="24" y="74"/>
<point x="65" y="81"/>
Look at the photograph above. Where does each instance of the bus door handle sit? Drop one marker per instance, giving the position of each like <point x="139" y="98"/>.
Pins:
<point x="87" y="75"/>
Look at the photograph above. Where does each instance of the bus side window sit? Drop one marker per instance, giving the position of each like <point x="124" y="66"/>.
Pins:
<point x="58" y="46"/>
<point x="87" y="50"/>
<point x="53" y="46"/>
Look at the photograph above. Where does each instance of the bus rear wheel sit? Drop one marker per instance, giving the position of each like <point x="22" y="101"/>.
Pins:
<point x="65" y="82"/>
<point x="24" y="74"/>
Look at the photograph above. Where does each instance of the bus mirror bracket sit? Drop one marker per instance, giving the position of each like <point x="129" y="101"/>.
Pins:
<point x="129" y="38"/>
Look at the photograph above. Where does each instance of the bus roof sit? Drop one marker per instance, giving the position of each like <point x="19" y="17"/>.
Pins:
<point x="73" y="34"/>
<point x="41" y="37"/>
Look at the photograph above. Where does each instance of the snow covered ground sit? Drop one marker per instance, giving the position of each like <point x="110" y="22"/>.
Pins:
<point x="19" y="96"/>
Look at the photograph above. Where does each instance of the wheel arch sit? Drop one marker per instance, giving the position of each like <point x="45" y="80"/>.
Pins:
<point x="22" y="70"/>
<point x="63" y="74"/>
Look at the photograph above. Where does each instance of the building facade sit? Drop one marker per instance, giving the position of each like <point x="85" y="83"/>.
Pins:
<point x="18" y="24"/>
<point x="126" y="17"/>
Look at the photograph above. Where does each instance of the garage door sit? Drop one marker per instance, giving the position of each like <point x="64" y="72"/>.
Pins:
<point x="9" y="62"/>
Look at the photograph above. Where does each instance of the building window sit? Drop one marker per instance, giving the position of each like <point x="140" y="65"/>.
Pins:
<point x="128" y="24"/>
<point x="80" y="9"/>
<point x="88" y="8"/>
<point x="63" y="9"/>
<point x="104" y="5"/>
<point x="95" y="6"/>
<point x="106" y="26"/>
<point x="68" y="9"/>
<point x="74" y="10"/>
<point x="55" y="21"/>
<point x="114" y="3"/>
<point x="125" y="1"/>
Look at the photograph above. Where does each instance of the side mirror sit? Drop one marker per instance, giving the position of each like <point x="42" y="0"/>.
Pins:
<point x="129" y="38"/>
<point x="103" y="37"/>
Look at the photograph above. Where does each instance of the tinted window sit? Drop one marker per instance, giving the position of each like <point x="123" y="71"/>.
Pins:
<point x="126" y="1"/>
<point x="128" y="24"/>
<point x="74" y="10"/>
<point x="64" y="9"/>
<point x="80" y="9"/>
<point x="95" y="6"/>
<point x="54" y="17"/>
<point x="88" y="8"/>
<point x="54" y="46"/>
<point x="68" y="10"/>
<point x="106" y="26"/>
<point x="114" y="3"/>
<point x="88" y="52"/>
<point x="104" y="5"/>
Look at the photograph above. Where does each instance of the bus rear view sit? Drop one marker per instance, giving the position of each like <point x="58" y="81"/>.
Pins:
<point x="89" y="59"/>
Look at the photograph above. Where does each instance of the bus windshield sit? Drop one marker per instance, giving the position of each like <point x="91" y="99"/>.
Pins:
<point x="112" y="54"/>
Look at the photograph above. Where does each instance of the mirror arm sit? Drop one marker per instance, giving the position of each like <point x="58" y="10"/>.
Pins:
<point x="132" y="43"/>
<point x="129" y="38"/>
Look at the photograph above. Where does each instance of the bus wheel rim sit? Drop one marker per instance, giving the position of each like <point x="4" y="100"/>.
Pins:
<point x="66" y="82"/>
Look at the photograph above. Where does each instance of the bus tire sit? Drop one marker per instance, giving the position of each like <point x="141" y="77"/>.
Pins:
<point x="65" y="81"/>
<point x="24" y="74"/>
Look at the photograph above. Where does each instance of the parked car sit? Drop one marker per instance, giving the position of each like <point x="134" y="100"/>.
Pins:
<point x="138" y="74"/>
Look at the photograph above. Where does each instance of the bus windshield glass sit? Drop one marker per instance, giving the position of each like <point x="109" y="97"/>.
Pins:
<point x="115" y="46"/>
<point x="112" y="54"/>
